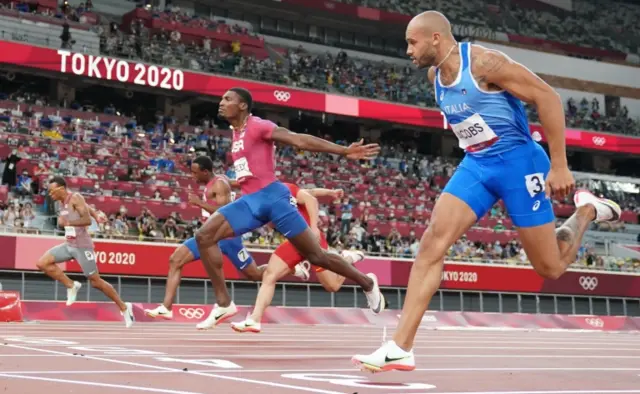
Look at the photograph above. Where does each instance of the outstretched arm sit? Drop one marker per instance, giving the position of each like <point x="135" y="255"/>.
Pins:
<point x="333" y="193"/>
<point x="310" y="143"/>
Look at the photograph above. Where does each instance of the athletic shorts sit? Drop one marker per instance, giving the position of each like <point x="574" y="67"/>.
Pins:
<point x="290" y="255"/>
<point x="232" y="248"/>
<point x="516" y="177"/>
<point x="86" y="258"/>
<point x="274" y="203"/>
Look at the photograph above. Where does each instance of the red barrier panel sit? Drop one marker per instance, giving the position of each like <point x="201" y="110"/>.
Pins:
<point x="108" y="312"/>
<point x="151" y="259"/>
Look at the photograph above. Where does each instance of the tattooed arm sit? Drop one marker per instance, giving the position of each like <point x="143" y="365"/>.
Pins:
<point x="494" y="68"/>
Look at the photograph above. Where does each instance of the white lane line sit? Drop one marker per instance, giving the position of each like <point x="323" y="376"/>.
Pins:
<point x="251" y="344"/>
<point x="233" y="378"/>
<point x="232" y="371"/>
<point x="318" y="356"/>
<point x="96" y="384"/>
<point x="323" y="356"/>
<point x="631" y="391"/>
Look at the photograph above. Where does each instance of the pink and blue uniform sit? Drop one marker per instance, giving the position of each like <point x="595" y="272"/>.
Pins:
<point x="264" y="198"/>
<point x="232" y="247"/>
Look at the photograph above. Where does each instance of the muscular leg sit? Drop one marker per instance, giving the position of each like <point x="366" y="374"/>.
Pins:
<point x="48" y="265"/>
<point x="451" y="218"/>
<point x="331" y="281"/>
<point x="549" y="261"/>
<point x="254" y="271"/>
<point x="108" y="290"/>
<point x="178" y="259"/>
<point x="215" y="229"/>
<point x="276" y="270"/>
<point x="309" y="246"/>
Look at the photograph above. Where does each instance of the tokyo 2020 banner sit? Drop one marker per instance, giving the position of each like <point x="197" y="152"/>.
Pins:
<point x="151" y="259"/>
<point x="160" y="77"/>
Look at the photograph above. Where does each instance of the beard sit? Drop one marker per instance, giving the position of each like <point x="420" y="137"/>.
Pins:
<point x="428" y="59"/>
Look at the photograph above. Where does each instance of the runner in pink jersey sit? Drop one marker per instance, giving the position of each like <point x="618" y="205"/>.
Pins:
<point x="217" y="193"/>
<point x="265" y="199"/>
<point x="75" y="217"/>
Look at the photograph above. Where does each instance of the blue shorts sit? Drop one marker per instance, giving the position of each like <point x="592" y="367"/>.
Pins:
<point x="516" y="177"/>
<point x="232" y="248"/>
<point x="274" y="204"/>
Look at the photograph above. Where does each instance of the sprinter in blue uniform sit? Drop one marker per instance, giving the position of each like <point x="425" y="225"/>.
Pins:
<point x="480" y="92"/>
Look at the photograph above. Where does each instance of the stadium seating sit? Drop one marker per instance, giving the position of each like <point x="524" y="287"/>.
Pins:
<point x="590" y="24"/>
<point x="129" y="170"/>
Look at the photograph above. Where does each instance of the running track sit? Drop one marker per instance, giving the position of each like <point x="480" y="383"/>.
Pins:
<point x="56" y="358"/>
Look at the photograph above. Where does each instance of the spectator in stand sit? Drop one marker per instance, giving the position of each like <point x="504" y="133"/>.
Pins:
<point x="24" y="187"/>
<point x="9" y="175"/>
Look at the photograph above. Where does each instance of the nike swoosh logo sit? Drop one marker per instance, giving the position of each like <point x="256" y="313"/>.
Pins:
<point x="379" y="307"/>
<point x="219" y="316"/>
<point x="388" y="360"/>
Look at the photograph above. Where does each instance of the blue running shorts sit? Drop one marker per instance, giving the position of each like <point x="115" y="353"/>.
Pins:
<point x="274" y="204"/>
<point x="517" y="177"/>
<point x="232" y="248"/>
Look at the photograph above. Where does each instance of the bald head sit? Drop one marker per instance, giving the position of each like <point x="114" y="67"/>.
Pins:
<point x="430" y="22"/>
<point x="426" y="35"/>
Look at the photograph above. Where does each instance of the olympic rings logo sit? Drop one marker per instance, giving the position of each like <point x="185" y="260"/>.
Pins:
<point x="594" y="322"/>
<point x="600" y="141"/>
<point x="282" y="95"/>
<point x="588" y="282"/>
<point x="192" y="313"/>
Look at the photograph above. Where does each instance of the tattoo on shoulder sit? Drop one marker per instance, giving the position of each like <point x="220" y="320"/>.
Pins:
<point x="489" y="63"/>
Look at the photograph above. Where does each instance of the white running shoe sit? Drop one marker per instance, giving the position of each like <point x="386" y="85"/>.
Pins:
<point x="248" y="325"/>
<point x="606" y="210"/>
<point x="302" y="270"/>
<point x="374" y="297"/>
<point x="72" y="293"/>
<point x="218" y="315"/>
<point x="353" y="256"/>
<point x="160" y="311"/>
<point x="388" y="357"/>
<point x="128" y="315"/>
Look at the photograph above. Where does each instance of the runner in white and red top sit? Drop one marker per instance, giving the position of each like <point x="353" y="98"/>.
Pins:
<point x="266" y="200"/>
<point x="75" y="217"/>
<point x="217" y="193"/>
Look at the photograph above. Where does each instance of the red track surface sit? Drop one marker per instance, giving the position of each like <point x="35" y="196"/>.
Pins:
<point x="56" y="358"/>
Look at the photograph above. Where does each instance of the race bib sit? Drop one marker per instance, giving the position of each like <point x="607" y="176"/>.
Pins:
<point x="69" y="232"/>
<point x="241" y="167"/>
<point x="473" y="131"/>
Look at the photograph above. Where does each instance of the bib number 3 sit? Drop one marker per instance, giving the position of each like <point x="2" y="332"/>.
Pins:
<point x="535" y="183"/>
